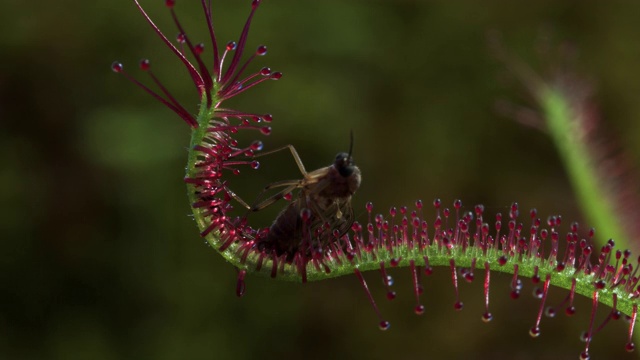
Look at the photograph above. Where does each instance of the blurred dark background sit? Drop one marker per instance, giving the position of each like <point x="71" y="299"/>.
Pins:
<point x="101" y="260"/>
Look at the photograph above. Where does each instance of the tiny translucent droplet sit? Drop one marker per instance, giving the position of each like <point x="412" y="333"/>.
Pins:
<point x="117" y="67"/>
<point x="630" y="347"/>
<point x="550" y="312"/>
<point x="534" y="332"/>
<point x="616" y="315"/>
<point x="384" y="325"/>
<point x="487" y="317"/>
<point x="265" y="71"/>
<point x="305" y="214"/>
<point x="145" y="65"/>
<point x="199" y="48"/>
<point x="502" y="260"/>
<point x="257" y="145"/>
<point x="369" y="206"/>
<point x="437" y="203"/>
<point x="469" y="277"/>
<point x="265" y="130"/>
<point x="457" y="204"/>
<point x="584" y="336"/>
<point x="571" y="310"/>
<point x="538" y="293"/>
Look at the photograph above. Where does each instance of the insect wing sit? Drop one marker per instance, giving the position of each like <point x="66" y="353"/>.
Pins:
<point x="338" y="216"/>
<point x="344" y="222"/>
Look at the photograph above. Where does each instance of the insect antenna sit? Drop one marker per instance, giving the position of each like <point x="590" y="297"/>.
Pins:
<point x="350" y="143"/>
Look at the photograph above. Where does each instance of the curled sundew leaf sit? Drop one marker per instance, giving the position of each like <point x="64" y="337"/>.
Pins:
<point x="460" y="240"/>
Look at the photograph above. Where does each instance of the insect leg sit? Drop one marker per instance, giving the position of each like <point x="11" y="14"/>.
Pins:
<point x="259" y="204"/>
<point x="281" y="183"/>
<point x="237" y="198"/>
<point x="275" y="197"/>
<point x="294" y="153"/>
<point x="291" y="183"/>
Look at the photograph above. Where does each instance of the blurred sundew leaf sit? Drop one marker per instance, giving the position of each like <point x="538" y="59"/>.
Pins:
<point x="121" y="138"/>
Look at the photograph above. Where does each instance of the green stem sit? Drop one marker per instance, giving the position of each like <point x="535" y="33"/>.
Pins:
<point x="568" y="137"/>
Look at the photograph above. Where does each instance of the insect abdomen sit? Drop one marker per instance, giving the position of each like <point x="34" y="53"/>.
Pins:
<point x="285" y="234"/>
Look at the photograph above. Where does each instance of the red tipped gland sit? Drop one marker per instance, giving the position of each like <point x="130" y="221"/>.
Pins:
<point x="502" y="260"/>
<point x="454" y="278"/>
<point x="240" y="287"/>
<point x="265" y="71"/>
<point x="534" y="332"/>
<point x="417" y="289"/>
<point x="265" y="130"/>
<point x="487" y="317"/>
<point x="145" y="65"/>
<point x="198" y="49"/>
<point x="116" y="67"/>
<point x="382" y="324"/>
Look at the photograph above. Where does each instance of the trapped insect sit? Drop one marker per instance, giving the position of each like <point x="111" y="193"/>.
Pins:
<point x="321" y="211"/>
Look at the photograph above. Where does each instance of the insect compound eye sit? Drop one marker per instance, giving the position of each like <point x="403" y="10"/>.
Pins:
<point x="341" y="158"/>
<point x="344" y="164"/>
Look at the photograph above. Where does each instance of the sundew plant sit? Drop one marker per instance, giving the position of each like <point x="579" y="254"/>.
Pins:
<point x="318" y="235"/>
